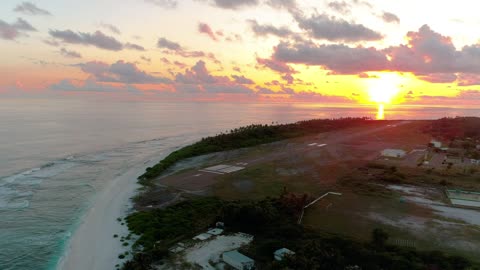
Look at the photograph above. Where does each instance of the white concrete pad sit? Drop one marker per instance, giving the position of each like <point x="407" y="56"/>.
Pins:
<point x="202" y="237"/>
<point x="217" y="167"/>
<point x="231" y="169"/>
<point x="222" y="169"/>
<point x="465" y="203"/>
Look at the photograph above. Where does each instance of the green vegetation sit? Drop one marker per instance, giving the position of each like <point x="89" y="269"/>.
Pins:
<point x="459" y="127"/>
<point x="317" y="252"/>
<point x="160" y="228"/>
<point x="249" y="136"/>
<point x="273" y="223"/>
<point x="258" y="182"/>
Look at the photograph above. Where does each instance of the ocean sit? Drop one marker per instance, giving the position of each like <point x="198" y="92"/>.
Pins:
<point x="57" y="154"/>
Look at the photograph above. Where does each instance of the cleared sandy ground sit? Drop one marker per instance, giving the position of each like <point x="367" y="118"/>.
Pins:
<point x="212" y="250"/>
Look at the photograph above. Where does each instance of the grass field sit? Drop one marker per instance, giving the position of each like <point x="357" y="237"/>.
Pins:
<point x="264" y="180"/>
<point x="408" y="219"/>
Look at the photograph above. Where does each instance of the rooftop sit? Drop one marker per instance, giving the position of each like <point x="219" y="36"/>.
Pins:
<point x="237" y="256"/>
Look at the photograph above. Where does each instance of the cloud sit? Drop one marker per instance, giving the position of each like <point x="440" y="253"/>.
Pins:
<point x="428" y="55"/>
<point x="279" y="4"/>
<point x="165" y="60"/>
<point x="23" y="25"/>
<point x="266" y="29"/>
<point x="70" y="54"/>
<point x="112" y="28"/>
<point x="333" y="29"/>
<point x="468" y="79"/>
<point x="164" y="3"/>
<point x="167" y="44"/>
<point x="16" y="29"/>
<point x="390" y="17"/>
<point x="175" y="48"/>
<point x="29" y="8"/>
<point x="274" y="65"/>
<point x="136" y="47"/>
<point x="146" y="59"/>
<point x="180" y="64"/>
<point x="199" y="79"/>
<point x="51" y="42"/>
<point x="362" y="3"/>
<point x="204" y="28"/>
<point x="434" y="58"/>
<point x="337" y="58"/>
<point x="242" y="79"/>
<point x="340" y="6"/>
<point x="119" y="72"/>
<point x="232" y="4"/>
<point x="279" y="67"/>
<point x="91" y="85"/>
<point x="97" y="39"/>
<point x="199" y="74"/>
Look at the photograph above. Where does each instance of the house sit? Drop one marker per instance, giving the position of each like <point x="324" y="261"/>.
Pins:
<point x="202" y="236"/>
<point x="394" y="153"/>
<point x="281" y="253"/>
<point x="436" y="144"/>
<point x="475" y="161"/>
<point x="238" y="261"/>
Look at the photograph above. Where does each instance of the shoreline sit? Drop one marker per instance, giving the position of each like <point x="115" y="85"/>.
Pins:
<point x="92" y="245"/>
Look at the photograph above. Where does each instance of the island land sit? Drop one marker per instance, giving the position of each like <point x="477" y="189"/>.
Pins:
<point x="357" y="194"/>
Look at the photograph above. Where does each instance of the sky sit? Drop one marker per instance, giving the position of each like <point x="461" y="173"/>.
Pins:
<point x="338" y="51"/>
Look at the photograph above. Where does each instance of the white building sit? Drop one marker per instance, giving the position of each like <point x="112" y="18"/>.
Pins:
<point x="238" y="261"/>
<point x="394" y="153"/>
<point x="281" y="253"/>
<point x="436" y="144"/>
<point x="202" y="236"/>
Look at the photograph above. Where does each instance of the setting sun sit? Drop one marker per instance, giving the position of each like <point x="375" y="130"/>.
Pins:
<point x="384" y="87"/>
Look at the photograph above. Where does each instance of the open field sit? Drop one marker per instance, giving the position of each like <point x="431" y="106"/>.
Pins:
<point x="413" y="216"/>
<point x="405" y="199"/>
<point x="323" y="165"/>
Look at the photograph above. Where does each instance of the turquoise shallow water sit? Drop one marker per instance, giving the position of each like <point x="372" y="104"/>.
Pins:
<point x="55" y="155"/>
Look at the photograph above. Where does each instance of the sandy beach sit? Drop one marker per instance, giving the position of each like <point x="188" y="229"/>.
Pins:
<point x="92" y="245"/>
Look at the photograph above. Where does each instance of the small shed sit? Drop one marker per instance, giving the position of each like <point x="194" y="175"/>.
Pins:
<point x="394" y="153"/>
<point x="436" y="144"/>
<point x="281" y="253"/>
<point x="202" y="236"/>
<point x="238" y="261"/>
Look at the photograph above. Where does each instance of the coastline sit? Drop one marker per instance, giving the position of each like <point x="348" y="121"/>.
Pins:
<point x="92" y="245"/>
